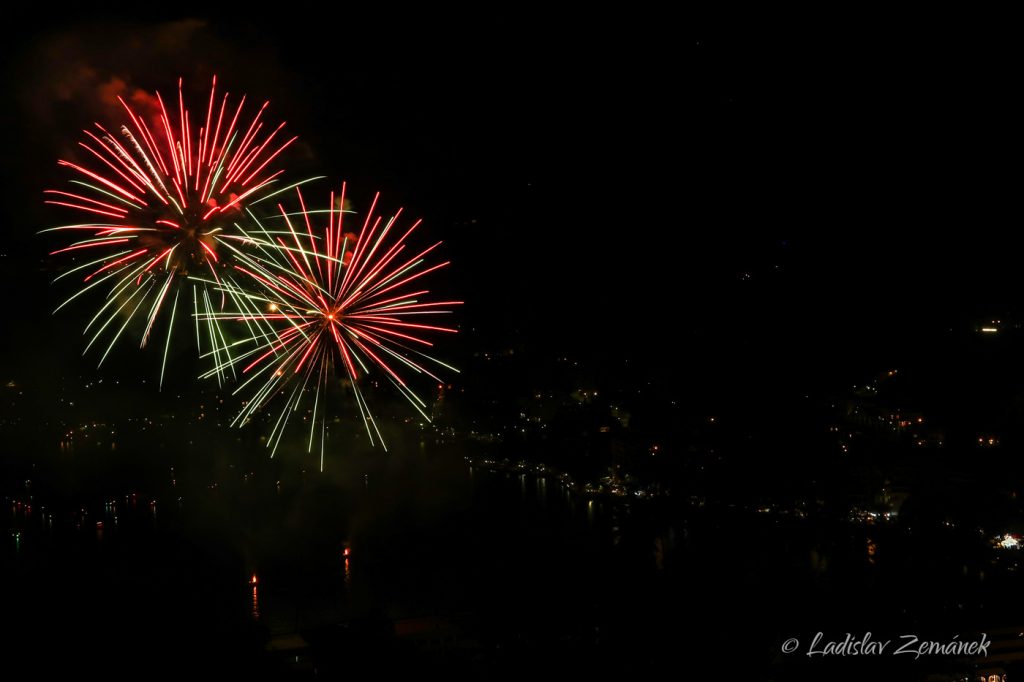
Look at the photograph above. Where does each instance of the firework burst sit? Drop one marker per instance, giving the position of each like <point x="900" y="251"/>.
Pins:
<point x="158" y="195"/>
<point x="323" y="306"/>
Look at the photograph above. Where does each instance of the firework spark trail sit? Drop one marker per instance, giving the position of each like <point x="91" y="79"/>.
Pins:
<point x="164" y="194"/>
<point x="317" y="307"/>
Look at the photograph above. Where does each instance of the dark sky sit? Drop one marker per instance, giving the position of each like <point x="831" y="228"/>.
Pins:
<point x="603" y="181"/>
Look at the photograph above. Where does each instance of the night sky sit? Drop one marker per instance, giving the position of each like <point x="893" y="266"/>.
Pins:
<point x="768" y="195"/>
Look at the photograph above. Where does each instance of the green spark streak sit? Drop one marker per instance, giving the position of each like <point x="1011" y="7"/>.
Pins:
<point x="167" y="261"/>
<point x="296" y="237"/>
<point x="250" y="319"/>
<point x="104" y="240"/>
<point x="319" y="211"/>
<point x="257" y="400"/>
<point x="435" y="360"/>
<point x="396" y="275"/>
<point x="78" y="226"/>
<point x="225" y="346"/>
<point x="120" y="287"/>
<point x="156" y="307"/>
<point x="285" y="189"/>
<point x="413" y="399"/>
<point x="404" y="360"/>
<point x="359" y="359"/>
<point x="89" y="265"/>
<point x="181" y="153"/>
<point x="213" y="338"/>
<point x="316" y="404"/>
<point x="284" y="415"/>
<point x="112" y="195"/>
<point x="248" y="314"/>
<point x="195" y="306"/>
<point x="113" y="316"/>
<point x="261" y="265"/>
<point x="220" y="166"/>
<point x="149" y="164"/>
<point x="174" y="201"/>
<point x="167" y="345"/>
<point x="367" y="257"/>
<point x="368" y="419"/>
<point x="119" y="331"/>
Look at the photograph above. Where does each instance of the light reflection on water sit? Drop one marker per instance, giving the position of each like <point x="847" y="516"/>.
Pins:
<point x="511" y="538"/>
<point x="508" y="522"/>
<point x="255" y="602"/>
<point x="411" y="574"/>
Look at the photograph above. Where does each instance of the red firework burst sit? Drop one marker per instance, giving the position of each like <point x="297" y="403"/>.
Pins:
<point x="159" y="195"/>
<point x="327" y="300"/>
